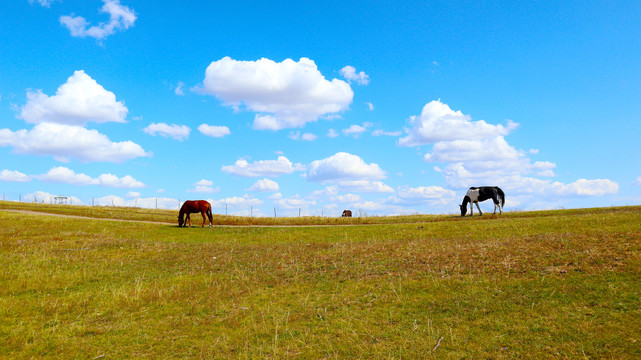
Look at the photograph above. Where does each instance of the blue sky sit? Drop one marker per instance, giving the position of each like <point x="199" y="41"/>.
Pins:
<point x="386" y="107"/>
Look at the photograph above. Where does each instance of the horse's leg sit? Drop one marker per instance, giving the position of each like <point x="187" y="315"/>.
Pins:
<point x="471" y="209"/>
<point x="203" y="214"/>
<point x="478" y="207"/>
<point x="188" y="219"/>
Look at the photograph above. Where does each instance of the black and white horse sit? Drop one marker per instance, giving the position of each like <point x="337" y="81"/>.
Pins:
<point x="477" y="194"/>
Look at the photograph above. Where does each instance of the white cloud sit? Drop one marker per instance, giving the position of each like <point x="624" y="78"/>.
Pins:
<point x="350" y="74"/>
<point x="46" y="198"/>
<point x="271" y="168"/>
<point x="347" y="198"/>
<point x="494" y="150"/>
<point x="64" y="142"/>
<point x="370" y="106"/>
<point x="284" y="95"/>
<point x="120" y="18"/>
<point x="176" y="132"/>
<point x="146" y="203"/>
<point x="380" y="132"/>
<point x="296" y="135"/>
<point x="357" y="130"/>
<point x="179" y="89"/>
<point x="364" y="186"/>
<point x="265" y="185"/>
<point x="13" y="176"/>
<point x="370" y="206"/>
<point x="67" y="176"/>
<point x="295" y="203"/>
<point x="332" y="133"/>
<point x="438" y="123"/>
<point x="423" y="194"/>
<point x="214" y="131"/>
<point x="43" y="3"/>
<point x="132" y="195"/>
<point x="637" y="182"/>
<point x="584" y="187"/>
<point x="204" y="186"/>
<point x="78" y="101"/>
<point x="238" y="205"/>
<point x="343" y="166"/>
<point x="477" y="153"/>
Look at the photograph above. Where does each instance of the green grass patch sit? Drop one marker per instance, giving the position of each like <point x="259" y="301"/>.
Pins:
<point x="553" y="284"/>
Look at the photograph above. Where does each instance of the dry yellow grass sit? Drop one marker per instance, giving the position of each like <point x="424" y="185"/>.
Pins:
<point x="531" y="285"/>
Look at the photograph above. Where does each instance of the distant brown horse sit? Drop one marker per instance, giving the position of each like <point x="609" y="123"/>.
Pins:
<point x="347" y="213"/>
<point x="197" y="206"/>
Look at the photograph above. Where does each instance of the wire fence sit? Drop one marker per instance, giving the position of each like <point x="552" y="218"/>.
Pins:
<point x="219" y="207"/>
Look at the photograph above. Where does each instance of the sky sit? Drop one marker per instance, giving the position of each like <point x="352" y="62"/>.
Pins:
<point x="284" y="108"/>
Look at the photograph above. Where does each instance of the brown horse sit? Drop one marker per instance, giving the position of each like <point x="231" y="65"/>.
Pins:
<point x="197" y="206"/>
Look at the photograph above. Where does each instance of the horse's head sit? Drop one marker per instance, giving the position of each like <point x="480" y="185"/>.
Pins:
<point x="463" y="209"/>
<point x="180" y="221"/>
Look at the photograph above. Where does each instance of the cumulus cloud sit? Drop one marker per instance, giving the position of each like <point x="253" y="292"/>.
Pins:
<point x="343" y="166"/>
<point x="438" y="123"/>
<point x="271" y="168"/>
<point x="364" y="186"/>
<point x="357" y="130"/>
<point x="67" y="176"/>
<point x="350" y="74"/>
<point x="265" y="185"/>
<point x="120" y="18"/>
<point x="64" y="142"/>
<point x="13" y="176"/>
<point x="492" y="152"/>
<point x="284" y="95"/>
<point x="204" y="186"/>
<point x="78" y="101"/>
<point x="424" y="194"/>
<point x="585" y="187"/>
<point x="296" y="202"/>
<point x="476" y="152"/>
<point x="214" y="131"/>
<point x="176" y="132"/>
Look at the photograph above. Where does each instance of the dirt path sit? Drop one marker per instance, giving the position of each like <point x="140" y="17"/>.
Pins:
<point x="28" y="212"/>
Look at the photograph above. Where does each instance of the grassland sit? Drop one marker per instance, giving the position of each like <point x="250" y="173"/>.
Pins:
<point x="553" y="284"/>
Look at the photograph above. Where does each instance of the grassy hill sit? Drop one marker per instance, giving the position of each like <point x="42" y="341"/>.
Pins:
<point x="532" y="285"/>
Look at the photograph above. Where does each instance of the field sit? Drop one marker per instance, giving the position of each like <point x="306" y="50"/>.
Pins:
<point x="548" y="284"/>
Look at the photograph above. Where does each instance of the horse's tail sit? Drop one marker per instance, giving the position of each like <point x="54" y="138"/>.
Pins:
<point x="209" y="215"/>
<point x="502" y="195"/>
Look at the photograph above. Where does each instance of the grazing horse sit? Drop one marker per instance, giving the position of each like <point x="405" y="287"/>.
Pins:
<point x="477" y="194"/>
<point x="347" y="213"/>
<point x="197" y="206"/>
